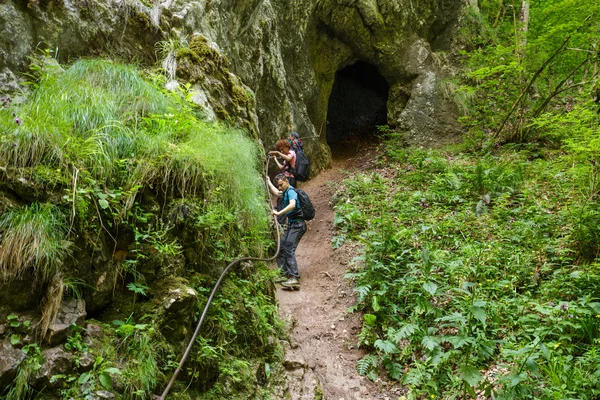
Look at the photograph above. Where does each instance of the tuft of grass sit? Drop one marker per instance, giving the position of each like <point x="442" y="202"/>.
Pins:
<point x="32" y="237"/>
<point x="142" y="372"/>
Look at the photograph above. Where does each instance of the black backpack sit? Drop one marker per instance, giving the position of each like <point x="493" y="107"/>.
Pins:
<point x="307" y="210"/>
<point x="302" y="168"/>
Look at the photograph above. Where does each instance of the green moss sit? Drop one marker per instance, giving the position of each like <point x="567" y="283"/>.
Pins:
<point x="200" y="46"/>
<point x="318" y="392"/>
<point x="240" y="97"/>
<point x="186" y="52"/>
<point x="140" y="18"/>
<point x="221" y="112"/>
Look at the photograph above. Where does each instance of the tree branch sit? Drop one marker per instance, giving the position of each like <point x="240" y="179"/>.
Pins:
<point x="557" y="90"/>
<point x="535" y="76"/>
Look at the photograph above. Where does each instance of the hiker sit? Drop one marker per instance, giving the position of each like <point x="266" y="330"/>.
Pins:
<point x="295" y="141"/>
<point x="286" y="261"/>
<point x="302" y="165"/>
<point x="285" y="151"/>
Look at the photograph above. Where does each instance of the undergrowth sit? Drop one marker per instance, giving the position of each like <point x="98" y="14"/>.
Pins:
<point x="479" y="272"/>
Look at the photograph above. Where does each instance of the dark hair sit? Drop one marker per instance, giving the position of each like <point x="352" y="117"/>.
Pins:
<point x="295" y="135"/>
<point x="282" y="143"/>
<point x="280" y="177"/>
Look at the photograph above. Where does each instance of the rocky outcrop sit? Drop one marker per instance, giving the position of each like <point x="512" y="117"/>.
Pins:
<point x="268" y="66"/>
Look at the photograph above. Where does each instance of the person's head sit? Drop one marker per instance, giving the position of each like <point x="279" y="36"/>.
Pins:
<point x="281" y="182"/>
<point x="294" y="136"/>
<point x="283" y="146"/>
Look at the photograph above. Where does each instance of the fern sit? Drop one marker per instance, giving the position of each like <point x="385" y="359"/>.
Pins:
<point x="367" y="363"/>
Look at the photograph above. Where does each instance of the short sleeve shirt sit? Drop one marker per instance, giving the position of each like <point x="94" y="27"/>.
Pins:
<point x="290" y="164"/>
<point x="289" y="195"/>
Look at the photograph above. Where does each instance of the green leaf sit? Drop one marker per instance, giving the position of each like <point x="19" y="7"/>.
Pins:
<point x="515" y="379"/>
<point x="478" y="313"/>
<point x="105" y="380"/>
<point x="430" y="287"/>
<point x="375" y="304"/>
<point x="532" y="366"/>
<point x="366" y="363"/>
<point x="470" y="374"/>
<point x="406" y="331"/>
<point x="113" y="370"/>
<point x="83" y="378"/>
<point x="386" y="346"/>
<point x="395" y="370"/>
<point x="460" y="341"/>
<point x="373" y="375"/>
<point x="15" y="339"/>
<point x="429" y="342"/>
<point x="103" y="204"/>
<point x="370" y="319"/>
<point x="454" y="317"/>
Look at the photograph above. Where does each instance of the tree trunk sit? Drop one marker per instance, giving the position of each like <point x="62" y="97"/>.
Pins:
<point x="523" y="27"/>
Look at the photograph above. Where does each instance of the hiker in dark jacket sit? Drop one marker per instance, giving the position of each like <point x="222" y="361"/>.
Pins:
<point x="286" y="261"/>
<point x="295" y="141"/>
<point x="288" y="155"/>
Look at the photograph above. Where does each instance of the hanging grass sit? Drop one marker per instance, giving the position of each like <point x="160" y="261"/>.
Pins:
<point x="32" y="237"/>
<point x="103" y="119"/>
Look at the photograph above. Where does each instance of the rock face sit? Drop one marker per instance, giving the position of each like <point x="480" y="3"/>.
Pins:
<point x="272" y="63"/>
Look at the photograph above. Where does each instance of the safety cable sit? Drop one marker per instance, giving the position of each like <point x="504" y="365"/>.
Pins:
<point x="193" y="339"/>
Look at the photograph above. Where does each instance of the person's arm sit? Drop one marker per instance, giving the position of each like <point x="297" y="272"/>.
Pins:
<point x="286" y="157"/>
<point x="276" y="192"/>
<point x="273" y="155"/>
<point x="290" y="207"/>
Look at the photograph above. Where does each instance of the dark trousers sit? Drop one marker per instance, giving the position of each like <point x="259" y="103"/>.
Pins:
<point x="287" y="254"/>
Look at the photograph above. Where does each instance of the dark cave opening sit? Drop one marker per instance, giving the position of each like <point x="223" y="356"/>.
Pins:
<point x="357" y="104"/>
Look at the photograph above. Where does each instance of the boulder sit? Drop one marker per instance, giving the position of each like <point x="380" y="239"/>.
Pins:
<point x="176" y="310"/>
<point x="10" y="359"/>
<point x="72" y="311"/>
<point x="56" y="362"/>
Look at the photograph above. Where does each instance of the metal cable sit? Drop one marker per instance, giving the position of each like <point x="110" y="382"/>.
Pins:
<point x="212" y="294"/>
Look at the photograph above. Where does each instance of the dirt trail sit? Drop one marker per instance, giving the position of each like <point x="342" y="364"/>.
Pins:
<point x="323" y="353"/>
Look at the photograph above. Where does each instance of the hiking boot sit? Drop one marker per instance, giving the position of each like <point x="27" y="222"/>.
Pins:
<point x="291" y="282"/>
<point x="281" y="278"/>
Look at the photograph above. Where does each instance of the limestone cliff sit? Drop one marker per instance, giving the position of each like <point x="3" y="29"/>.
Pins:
<point x="272" y="63"/>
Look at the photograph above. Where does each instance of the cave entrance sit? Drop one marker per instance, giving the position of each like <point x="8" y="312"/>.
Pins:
<point x="358" y="103"/>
